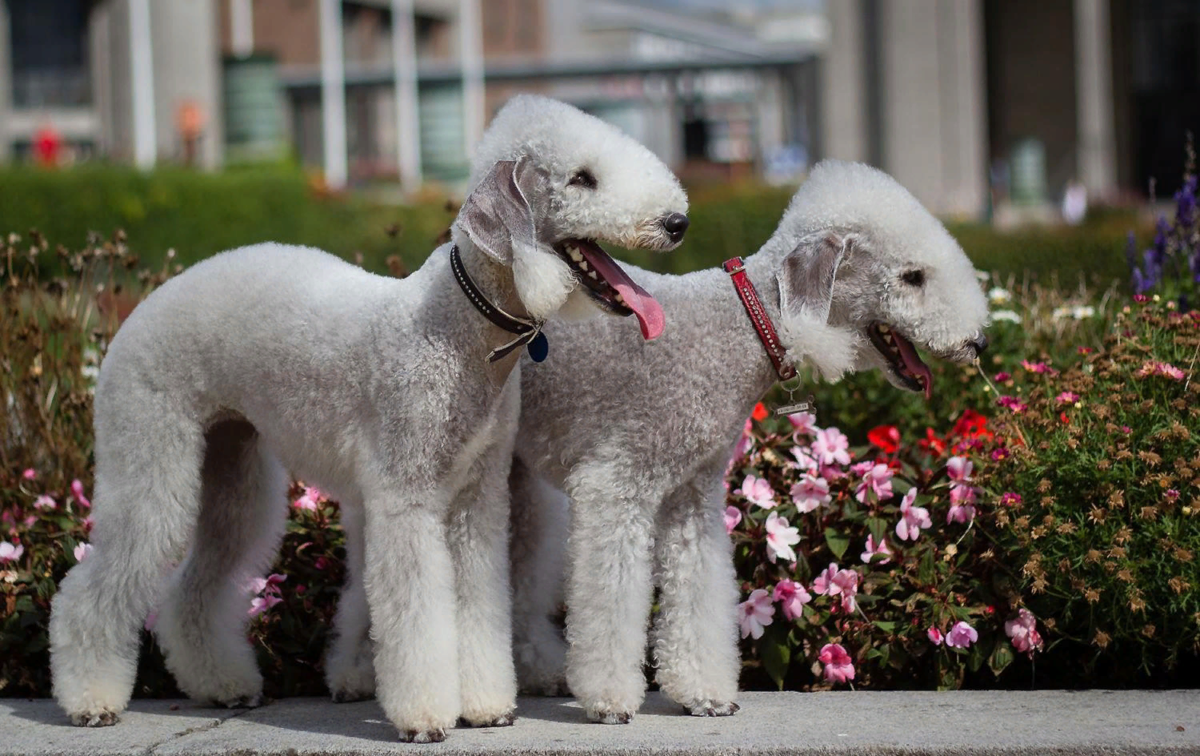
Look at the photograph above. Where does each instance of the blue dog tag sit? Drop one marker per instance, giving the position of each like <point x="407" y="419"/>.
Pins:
<point x="539" y="348"/>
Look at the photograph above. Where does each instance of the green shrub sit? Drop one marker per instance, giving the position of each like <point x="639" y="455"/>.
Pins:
<point x="1107" y="531"/>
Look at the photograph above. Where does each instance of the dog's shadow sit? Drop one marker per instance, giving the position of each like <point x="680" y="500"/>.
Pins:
<point x="359" y="720"/>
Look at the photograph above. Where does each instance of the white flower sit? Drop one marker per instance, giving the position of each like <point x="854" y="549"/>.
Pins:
<point x="1007" y="315"/>
<point x="780" y="539"/>
<point x="1083" y="312"/>
<point x="999" y="296"/>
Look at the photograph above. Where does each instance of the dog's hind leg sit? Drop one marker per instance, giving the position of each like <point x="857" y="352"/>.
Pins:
<point x="202" y="624"/>
<point x="144" y="511"/>
<point x="695" y="634"/>
<point x="350" y="663"/>
<point x="539" y="544"/>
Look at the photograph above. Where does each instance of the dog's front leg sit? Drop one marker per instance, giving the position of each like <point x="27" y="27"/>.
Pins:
<point x="695" y="634"/>
<point x="477" y="533"/>
<point x="608" y="594"/>
<point x="410" y="592"/>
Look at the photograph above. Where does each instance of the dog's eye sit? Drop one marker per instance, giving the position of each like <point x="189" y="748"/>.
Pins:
<point x="913" y="277"/>
<point x="582" y="177"/>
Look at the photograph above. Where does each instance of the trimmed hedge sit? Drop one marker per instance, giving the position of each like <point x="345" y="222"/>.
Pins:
<point x="199" y="214"/>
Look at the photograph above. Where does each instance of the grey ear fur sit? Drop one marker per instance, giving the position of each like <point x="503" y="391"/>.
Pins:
<point x="497" y="215"/>
<point x="807" y="273"/>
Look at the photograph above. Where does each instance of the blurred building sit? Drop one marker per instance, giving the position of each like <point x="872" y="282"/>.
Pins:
<point x="973" y="104"/>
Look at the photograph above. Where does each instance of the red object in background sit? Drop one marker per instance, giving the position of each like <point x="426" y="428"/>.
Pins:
<point x="760" y="412"/>
<point x="886" y="437"/>
<point x="47" y="146"/>
<point x="931" y="444"/>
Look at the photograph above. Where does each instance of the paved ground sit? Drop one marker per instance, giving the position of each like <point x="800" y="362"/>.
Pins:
<point x="1098" y="722"/>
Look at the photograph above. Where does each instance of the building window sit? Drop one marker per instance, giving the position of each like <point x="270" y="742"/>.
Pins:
<point x="49" y="53"/>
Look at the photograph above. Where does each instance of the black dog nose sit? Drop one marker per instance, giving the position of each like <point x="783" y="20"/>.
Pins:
<point x="675" y="224"/>
<point x="979" y="343"/>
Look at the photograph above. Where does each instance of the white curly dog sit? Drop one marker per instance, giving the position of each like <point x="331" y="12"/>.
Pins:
<point x="856" y="274"/>
<point x="273" y="358"/>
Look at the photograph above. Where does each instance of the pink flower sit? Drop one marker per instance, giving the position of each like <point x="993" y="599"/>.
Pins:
<point x="810" y="493"/>
<point x="77" y="492"/>
<point x="962" y="503"/>
<point x="1034" y="367"/>
<point x="1023" y="632"/>
<point x="959" y="469"/>
<point x="10" y="552"/>
<point x="1171" y="495"/>
<point x="270" y="584"/>
<point x="1001" y="377"/>
<point x="838" y="667"/>
<point x="733" y="516"/>
<point x="755" y="613"/>
<point x="832" y="446"/>
<point x="1009" y="499"/>
<point x="935" y="636"/>
<point x="758" y="491"/>
<point x="29" y="474"/>
<point x="874" y="550"/>
<point x="780" y="538"/>
<point x="792" y="596"/>
<point x="804" y="460"/>
<point x="1154" y="367"/>
<point x="803" y="422"/>
<point x="1000" y="453"/>
<point x="832" y="472"/>
<point x="836" y="582"/>
<point x="321" y="563"/>
<point x="82" y="550"/>
<point x="310" y="500"/>
<point x="45" y="502"/>
<point x="878" y="480"/>
<point x="912" y="519"/>
<point x="961" y="635"/>
<point x="1012" y="403"/>
<point x="861" y="468"/>
<point x="261" y="604"/>
<point x="1067" y="397"/>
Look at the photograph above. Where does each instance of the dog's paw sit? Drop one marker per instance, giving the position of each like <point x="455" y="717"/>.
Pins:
<point x="100" y="718"/>
<point x="710" y="708"/>
<point x="605" y="715"/>
<point x="252" y="701"/>
<point x="436" y="735"/>
<point x="503" y="720"/>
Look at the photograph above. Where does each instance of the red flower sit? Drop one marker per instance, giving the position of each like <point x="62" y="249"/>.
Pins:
<point x="931" y="443"/>
<point x="1085" y="350"/>
<point x="973" y="425"/>
<point x="760" y="412"/>
<point x="1063" y="416"/>
<point x="886" y="437"/>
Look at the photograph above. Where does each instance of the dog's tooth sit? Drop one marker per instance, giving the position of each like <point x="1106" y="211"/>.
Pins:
<point x="884" y="329"/>
<point x="576" y="255"/>
<point x="582" y="263"/>
<point x="620" y="298"/>
<point x="592" y="274"/>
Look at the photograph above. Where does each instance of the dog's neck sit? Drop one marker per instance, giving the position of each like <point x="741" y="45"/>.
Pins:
<point x="495" y="282"/>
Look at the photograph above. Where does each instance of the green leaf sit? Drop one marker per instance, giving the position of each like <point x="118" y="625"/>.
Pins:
<point x="926" y="567"/>
<point x="978" y="655"/>
<point x="878" y="527"/>
<point x="886" y="626"/>
<point x="838" y="542"/>
<point x="775" y="653"/>
<point x="1002" y="656"/>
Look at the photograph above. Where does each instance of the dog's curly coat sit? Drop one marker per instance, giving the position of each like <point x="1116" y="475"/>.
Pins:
<point x="273" y="358"/>
<point x="642" y="453"/>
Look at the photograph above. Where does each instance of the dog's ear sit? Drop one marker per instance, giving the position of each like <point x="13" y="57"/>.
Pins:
<point x="806" y="275"/>
<point x="498" y="215"/>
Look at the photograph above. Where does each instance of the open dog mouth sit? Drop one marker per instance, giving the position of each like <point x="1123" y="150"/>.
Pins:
<point x="610" y="286"/>
<point x="901" y="357"/>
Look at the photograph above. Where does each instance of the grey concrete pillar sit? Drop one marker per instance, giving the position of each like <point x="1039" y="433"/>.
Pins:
<point x="934" y="91"/>
<point x="843" y="84"/>
<point x="5" y="83"/>
<point x="1097" y="146"/>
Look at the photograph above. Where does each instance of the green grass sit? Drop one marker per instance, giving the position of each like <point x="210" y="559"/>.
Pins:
<point x="199" y="214"/>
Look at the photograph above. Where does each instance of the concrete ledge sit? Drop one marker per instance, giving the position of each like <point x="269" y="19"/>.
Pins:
<point x="1094" y="722"/>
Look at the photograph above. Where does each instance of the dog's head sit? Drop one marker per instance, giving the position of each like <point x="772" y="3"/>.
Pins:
<point x="866" y="274"/>
<point x="549" y="184"/>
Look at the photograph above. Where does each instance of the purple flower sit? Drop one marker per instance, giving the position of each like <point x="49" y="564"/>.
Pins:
<point x="961" y="635"/>
<point x="1185" y="200"/>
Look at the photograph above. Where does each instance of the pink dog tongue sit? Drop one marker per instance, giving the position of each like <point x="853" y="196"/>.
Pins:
<point x="648" y="311"/>
<point x="914" y="363"/>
